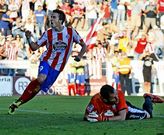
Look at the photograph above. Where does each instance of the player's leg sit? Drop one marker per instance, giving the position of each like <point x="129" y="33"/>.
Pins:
<point x="136" y="113"/>
<point x="148" y="105"/>
<point x="154" y="98"/>
<point x="77" y="85"/>
<point x="32" y="89"/>
<point x="149" y="100"/>
<point x="82" y="86"/>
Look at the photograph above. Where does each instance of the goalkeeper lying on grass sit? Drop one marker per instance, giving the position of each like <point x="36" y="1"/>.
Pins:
<point x="110" y="104"/>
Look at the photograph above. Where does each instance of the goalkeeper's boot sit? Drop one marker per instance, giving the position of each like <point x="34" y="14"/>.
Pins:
<point x="154" y="98"/>
<point x="13" y="107"/>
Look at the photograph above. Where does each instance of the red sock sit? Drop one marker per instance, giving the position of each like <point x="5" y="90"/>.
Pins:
<point x="77" y="88"/>
<point x="31" y="90"/>
<point x="82" y="89"/>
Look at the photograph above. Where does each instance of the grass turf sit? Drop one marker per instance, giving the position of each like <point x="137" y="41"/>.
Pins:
<point x="63" y="115"/>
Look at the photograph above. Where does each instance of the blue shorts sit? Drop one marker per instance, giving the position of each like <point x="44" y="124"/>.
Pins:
<point x="71" y="78"/>
<point x="80" y="78"/>
<point x="52" y="74"/>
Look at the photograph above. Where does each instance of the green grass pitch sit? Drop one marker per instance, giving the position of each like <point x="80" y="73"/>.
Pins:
<point x="63" y="115"/>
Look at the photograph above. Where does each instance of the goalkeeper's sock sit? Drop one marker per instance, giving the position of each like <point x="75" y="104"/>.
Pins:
<point x="148" y="106"/>
<point x="31" y="90"/>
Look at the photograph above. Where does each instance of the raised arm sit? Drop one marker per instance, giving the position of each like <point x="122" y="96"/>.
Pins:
<point x="82" y="51"/>
<point x="33" y="45"/>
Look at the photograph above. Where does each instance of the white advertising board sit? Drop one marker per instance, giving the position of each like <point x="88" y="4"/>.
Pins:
<point x="6" y="86"/>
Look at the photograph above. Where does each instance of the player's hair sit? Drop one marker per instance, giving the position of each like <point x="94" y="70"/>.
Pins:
<point x="106" y="90"/>
<point x="62" y="16"/>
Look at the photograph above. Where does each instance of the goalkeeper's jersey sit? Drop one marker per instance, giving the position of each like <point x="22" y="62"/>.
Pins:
<point x="97" y="105"/>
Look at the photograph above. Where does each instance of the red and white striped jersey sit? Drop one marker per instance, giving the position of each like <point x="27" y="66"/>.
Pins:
<point x="11" y="50"/>
<point x="58" y="46"/>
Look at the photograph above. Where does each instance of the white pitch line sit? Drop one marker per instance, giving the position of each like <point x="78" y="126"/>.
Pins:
<point x="32" y="111"/>
<point x="45" y="112"/>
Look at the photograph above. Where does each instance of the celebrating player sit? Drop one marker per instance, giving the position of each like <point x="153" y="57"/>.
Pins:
<point x="59" y="41"/>
<point x="110" y="104"/>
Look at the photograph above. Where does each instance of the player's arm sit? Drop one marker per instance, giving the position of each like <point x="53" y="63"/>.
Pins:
<point x="77" y="39"/>
<point x="91" y="113"/>
<point x="33" y="45"/>
<point x="121" y="107"/>
<point x="121" y="116"/>
<point x="82" y="51"/>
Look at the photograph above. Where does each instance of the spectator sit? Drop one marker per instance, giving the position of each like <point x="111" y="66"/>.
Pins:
<point x="148" y="61"/>
<point x="22" y="54"/>
<point x="137" y="8"/>
<point x="40" y="21"/>
<point x="121" y="14"/>
<point x="156" y="40"/>
<point x="3" y="8"/>
<point x="160" y="11"/>
<point x="114" y="10"/>
<point x="71" y="80"/>
<point x="25" y="9"/>
<point x="2" y="53"/>
<point x="19" y="29"/>
<point x="14" y="8"/>
<point x="123" y="42"/>
<point x="140" y="47"/>
<point x="50" y="8"/>
<point x="80" y="78"/>
<point x="124" y="69"/>
<point x="30" y="23"/>
<point x="2" y="47"/>
<point x="32" y="4"/>
<point x="105" y="9"/>
<point x="150" y="11"/>
<point x="162" y="23"/>
<point x="67" y="10"/>
<point x="5" y="23"/>
<point x="91" y="12"/>
<point x="76" y="14"/>
<point x="115" y="63"/>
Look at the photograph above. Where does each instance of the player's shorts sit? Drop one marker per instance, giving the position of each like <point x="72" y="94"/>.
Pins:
<point x="52" y="74"/>
<point x="80" y="78"/>
<point x="71" y="77"/>
<point x="135" y="113"/>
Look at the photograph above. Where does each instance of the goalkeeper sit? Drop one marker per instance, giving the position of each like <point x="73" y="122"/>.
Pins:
<point x="110" y="104"/>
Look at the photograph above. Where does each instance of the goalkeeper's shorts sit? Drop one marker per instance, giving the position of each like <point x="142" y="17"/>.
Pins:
<point x="136" y="113"/>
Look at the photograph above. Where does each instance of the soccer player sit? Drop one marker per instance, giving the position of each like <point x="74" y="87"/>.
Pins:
<point x="59" y="41"/>
<point x="110" y="104"/>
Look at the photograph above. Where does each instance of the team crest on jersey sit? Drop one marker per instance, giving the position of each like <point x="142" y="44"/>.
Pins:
<point x="59" y="45"/>
<point x="90" y="108"/>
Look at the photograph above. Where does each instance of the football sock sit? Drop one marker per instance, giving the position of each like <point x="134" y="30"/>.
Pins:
<point x="148" y="106"/>
<point x="31" y="90"/>
<point x="82" y="90"/>
<point x="77" y="89"/>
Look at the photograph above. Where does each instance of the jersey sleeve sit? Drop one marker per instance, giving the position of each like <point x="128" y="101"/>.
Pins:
<point x="122" y="102"/>
<point x="42" y="41"/>
<point x="76" y="37"/>
<point x="96" y="112"/>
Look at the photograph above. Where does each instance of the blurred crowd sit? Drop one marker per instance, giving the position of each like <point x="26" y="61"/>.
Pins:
<point x="129" y="28"/>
